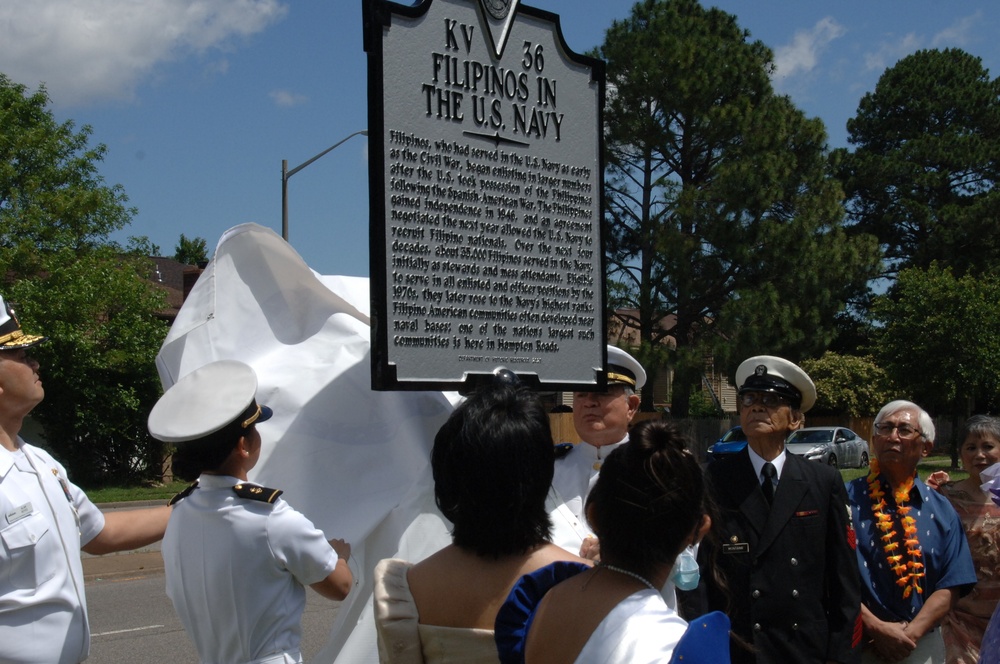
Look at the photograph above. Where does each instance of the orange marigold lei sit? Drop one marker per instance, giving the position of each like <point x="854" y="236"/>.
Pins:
<point x="908" y="567"/>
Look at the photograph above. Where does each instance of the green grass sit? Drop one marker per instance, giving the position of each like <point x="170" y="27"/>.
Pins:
<point x="924" y="468"/>
<point x="127" y="494"/>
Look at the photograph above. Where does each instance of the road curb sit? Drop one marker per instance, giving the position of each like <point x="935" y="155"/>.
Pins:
<point x="144" y="560"/>
<point x="118" y="565"/>
<point x="132" y="504"/>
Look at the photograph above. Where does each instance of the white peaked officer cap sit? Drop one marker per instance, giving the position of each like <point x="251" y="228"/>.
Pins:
<point x="12" y="336"/>
<point x="206" y="401"/>
<point x="766" y="373"/>
<point x="623" y="369"/>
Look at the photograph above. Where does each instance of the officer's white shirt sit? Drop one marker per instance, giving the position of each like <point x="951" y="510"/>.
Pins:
<point x="575" y="475"/>
<point x="44" y="520"/>
<point x="236" y="570"/>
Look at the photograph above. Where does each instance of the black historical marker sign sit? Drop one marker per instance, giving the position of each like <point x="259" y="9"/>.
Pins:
<point x="485" y="185"/>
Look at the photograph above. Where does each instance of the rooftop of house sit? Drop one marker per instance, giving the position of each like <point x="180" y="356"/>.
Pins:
<point x="175" y="279"/>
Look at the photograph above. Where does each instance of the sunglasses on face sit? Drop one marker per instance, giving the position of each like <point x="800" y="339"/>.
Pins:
<point x="766" y="399"/>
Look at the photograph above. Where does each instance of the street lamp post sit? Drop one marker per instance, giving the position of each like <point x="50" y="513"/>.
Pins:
<point x="285" y="174"/>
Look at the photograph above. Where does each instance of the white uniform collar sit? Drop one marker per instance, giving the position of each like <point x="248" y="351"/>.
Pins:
<point x="6" y="461"/>
<point x="596" y="454"/>
<point x="206" y="481"/>
<point x="758" y="463"/>
<point x="9" y="459"/>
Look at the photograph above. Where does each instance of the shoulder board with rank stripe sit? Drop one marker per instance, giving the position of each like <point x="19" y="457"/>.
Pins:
<point x="562" y="449"/>
<point x="183" y="494"/>
<point x="253" y="492"/>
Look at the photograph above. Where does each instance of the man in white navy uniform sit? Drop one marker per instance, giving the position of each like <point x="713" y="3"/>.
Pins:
<point x="601" y="420"/>
<point x="44" y="522"/>
<point x="237" y="557"/>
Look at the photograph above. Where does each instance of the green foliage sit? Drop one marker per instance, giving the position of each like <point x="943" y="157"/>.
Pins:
<point x="191" y="252"/>
<point x="940" y="339"/>
<point x="924" y="173"/>
<point x="51" y="195"/>
<point x="702" y="405"/>
<point x="131" y="492"/>
<point x="82" y="290"/>
<point x="848" y="385"/>
<point x="723" y="223"/>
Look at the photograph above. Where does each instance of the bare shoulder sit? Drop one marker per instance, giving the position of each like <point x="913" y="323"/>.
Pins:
<point x="550" y="553"/>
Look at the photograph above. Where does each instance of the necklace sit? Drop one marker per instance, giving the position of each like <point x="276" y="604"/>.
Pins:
<point x="635" y="576"/>
<point x="908" y="571"/>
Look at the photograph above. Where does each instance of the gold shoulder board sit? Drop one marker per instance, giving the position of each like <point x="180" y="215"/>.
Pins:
<point x="253" y="492"/>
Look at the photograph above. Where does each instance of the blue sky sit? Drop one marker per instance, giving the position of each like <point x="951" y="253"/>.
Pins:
<point x="198" y="101"/>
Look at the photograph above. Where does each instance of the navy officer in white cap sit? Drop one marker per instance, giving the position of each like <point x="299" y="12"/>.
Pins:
<point x="237" y="556"/>
<point x="783" y="537"/>
<point x="44" y="522"/>
<point x="601" y="420"/>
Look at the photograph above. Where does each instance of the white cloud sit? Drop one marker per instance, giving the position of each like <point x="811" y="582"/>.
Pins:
<point x="890" y="52"/>
<point x="98" y="50"/>
<point x="218" y="67"/>
<point x="286" y="98"/>
<point x="802" y="54"/>
<point x="958" y="34"/>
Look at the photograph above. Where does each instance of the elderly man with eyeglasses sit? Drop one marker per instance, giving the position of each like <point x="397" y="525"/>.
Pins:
<point x="782" y="537"/>
<point x="912" y="552"/>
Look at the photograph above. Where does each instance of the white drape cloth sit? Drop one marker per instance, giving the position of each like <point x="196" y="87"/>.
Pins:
<point x="353" y="460"/>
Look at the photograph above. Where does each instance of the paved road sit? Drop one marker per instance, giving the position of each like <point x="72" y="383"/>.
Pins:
<point x="133" y="622"/>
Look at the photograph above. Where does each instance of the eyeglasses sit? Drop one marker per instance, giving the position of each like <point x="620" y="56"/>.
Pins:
<point x="905" y="431"/>
<point x="767" y="399"/>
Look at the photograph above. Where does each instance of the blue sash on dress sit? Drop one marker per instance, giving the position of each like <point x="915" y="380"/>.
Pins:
<point x="706" y="640"/>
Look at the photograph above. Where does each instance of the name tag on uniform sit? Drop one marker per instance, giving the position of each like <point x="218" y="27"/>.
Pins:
<point x="738" y="547"/>
<point x="19" y="513"/>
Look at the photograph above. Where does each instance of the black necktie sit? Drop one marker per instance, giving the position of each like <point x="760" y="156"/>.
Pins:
<point x="767" y="487"/>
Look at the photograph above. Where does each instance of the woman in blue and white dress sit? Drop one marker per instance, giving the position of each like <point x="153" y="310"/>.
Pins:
<point x="646" y="507"/>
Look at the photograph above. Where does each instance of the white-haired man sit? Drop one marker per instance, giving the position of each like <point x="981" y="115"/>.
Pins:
<point x="912" y="551"/>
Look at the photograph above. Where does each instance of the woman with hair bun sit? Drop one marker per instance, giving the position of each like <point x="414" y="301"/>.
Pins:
<point x="648" y="505"/>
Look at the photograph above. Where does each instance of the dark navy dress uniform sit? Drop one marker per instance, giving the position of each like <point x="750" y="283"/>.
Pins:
<point x="790" y="566"/>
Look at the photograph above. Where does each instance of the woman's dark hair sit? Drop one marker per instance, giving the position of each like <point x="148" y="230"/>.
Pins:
<point x="980" y="425"/>
<point x="192" y="458"/>
<point x="492" y="464"/>
<point x="648" y="499"/>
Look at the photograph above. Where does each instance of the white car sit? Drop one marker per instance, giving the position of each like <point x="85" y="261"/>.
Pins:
<point x="835" y="446"/>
